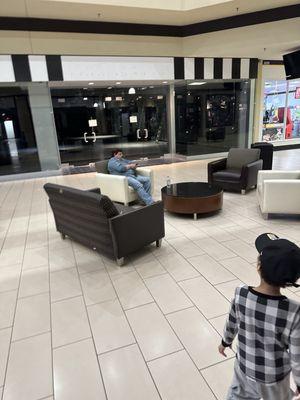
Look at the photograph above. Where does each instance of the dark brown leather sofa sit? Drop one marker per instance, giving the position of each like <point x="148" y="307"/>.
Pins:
<point x="237" y="172"/>
<point x="95" y="221"/>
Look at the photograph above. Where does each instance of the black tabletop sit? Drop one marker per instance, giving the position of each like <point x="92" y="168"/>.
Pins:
<point x="191" y="189"/>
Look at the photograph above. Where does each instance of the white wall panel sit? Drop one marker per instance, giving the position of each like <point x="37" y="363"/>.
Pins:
<point x="189" y="68"/>
<point x="208" y="68"/>
<point x="117" y="68"/>
<point x="6" y="69"/>
<point x="38" y="68"/>
<point x="227" y="68"/>
<point x="245" y="65"/>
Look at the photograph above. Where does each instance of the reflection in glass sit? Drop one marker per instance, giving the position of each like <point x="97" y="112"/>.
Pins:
<point x="211" y="118"/>
<point x="274" y="110"/>
<point x="281" y="118"/>
<point x="135" y="122"/>
<point x="293" y="110"/>
<point x="18" y="150"/>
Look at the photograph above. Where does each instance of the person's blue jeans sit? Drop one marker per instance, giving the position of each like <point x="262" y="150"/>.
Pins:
<point x="142" y="185"/>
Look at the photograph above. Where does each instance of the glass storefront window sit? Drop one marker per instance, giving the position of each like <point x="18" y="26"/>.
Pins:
<point x="18" y="148"/>
<point x="92" y="122"/>
<point x="293" y="110"/>
<point x="274" y="110"/>
<point x="281" y="114"/>
<point x="211" y="117"/>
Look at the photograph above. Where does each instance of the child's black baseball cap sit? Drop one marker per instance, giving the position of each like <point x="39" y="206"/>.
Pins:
<point x="280" y="260"/>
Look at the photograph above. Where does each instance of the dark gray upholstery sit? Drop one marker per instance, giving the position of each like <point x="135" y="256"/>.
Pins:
<point x="238" y="171"/>
<point x="239" y="157"/>
<point x="94" y="220"/>
<point x="101" y="167"/>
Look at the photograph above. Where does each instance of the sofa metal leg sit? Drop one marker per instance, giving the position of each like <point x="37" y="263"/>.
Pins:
<point x="158" y="243"/>
<point x="265" y="215"/>
<point x="243" y="191"/>
<point x="63" y="236"/>
<point x="120" y="261"/>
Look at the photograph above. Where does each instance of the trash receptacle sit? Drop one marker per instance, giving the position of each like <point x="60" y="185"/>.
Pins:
<point x="266" y="153"/>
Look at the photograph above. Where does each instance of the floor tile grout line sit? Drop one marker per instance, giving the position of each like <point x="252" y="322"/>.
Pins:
<point x="176" y="311"/>
<point x="72" y="342"/>
<point x="137" y="343"/>
<point x="16" y="303"/>
<point x="217" y="316"/>
<point x="66" y="298"/>
<point x="166" y="355"/>
<point x="219" y="362"/>
<point x="30" y="336"/>
<point x="50" y="305"/>
<point x="103" y="353"/>
<point x="90" y="326"/>
<point x="33" y="295"/>
<point x="10" y="189"/>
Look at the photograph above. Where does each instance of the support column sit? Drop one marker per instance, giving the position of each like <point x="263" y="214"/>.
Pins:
<point x="171" y="119"/>
<point x="44" y="126"/>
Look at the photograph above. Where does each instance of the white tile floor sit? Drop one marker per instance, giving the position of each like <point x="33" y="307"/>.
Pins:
<point x="73" y="325"/>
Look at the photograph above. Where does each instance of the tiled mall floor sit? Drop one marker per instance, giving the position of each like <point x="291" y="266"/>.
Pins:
<point x="74" y="326"/>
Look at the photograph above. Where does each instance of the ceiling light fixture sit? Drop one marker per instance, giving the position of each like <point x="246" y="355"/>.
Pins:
<point x="85" y="98"/>
<point x="165" y="81"/>
<point x="197" y="83"/>
<point x="131" y="90"/>
<point x="91" y="83"/>
<point x="118" y="83"/>
<point x="109" y="87"/>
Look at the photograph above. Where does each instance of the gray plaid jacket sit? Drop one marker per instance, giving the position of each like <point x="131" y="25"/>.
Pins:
<point x="268" y="329"/>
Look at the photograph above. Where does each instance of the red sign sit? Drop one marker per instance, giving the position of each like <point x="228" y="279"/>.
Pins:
<point x="297" y="93"/>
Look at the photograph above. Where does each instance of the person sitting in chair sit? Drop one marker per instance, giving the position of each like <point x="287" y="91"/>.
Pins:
<point x="117" y="165"/>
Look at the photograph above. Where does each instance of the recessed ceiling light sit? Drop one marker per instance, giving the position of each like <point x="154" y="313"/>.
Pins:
<point x="85" y="98"/>
<point x="197" y="83"/>
<point x="91" y="83"/>
<point x="118" y="83"/>
<point x="165" y="81"/>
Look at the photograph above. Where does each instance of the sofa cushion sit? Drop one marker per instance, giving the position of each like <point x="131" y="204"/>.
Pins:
<point x="239" y="157"/>
<point x="101" y="167"/>
<point x="108" y="206"/>
<point x="232" y="175"/>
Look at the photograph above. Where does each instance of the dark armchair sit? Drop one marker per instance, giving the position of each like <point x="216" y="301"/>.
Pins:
<point x="95" y="221"/>
<point x="237" y="172"/>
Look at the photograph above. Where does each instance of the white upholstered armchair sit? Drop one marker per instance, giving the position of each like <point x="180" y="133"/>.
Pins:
<point x="116" y="186"/>
<point x="278" y="192"/>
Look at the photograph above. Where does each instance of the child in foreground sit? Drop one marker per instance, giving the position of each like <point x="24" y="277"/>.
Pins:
<point x="268" y="326"/>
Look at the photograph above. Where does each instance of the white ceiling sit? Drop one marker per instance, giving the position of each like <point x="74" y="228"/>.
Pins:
<point x="173" y="12"/>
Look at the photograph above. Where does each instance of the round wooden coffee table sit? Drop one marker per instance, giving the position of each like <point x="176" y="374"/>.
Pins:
<point x="192" y="198"/>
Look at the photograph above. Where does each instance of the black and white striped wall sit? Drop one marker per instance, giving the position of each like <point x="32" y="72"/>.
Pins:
<point x="41" y="68"/>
